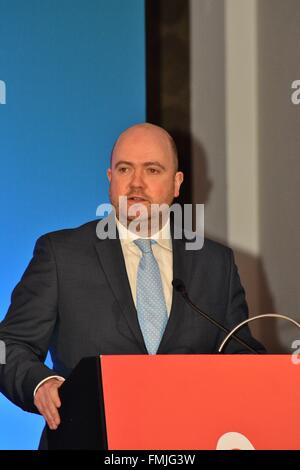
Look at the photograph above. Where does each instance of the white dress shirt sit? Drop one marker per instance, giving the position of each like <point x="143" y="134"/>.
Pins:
<point x="162" y="251"/>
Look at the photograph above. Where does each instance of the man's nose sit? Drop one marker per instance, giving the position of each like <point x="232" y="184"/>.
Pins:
<point x="137" y="180"/>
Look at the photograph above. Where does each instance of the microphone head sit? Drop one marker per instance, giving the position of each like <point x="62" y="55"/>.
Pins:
<point x="179" y="286"/>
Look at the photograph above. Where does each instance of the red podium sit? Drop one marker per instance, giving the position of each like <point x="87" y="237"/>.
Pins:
<point x="181" y="402"/>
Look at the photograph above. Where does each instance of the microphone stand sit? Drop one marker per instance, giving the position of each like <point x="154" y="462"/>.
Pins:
<point x="180" y="287"/>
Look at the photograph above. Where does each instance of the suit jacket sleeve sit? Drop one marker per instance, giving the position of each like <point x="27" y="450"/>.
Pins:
<point x="28" y="326"/>
<point x="237" y="311"/>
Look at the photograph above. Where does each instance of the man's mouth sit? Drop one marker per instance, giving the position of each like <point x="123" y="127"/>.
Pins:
<point x="137" y="199"/>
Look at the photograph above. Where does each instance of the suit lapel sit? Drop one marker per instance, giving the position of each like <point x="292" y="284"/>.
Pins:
<point x="111" y="259"/>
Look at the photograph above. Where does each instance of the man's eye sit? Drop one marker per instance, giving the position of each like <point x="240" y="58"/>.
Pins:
<point x="153" y="171"/>
<point x="123" y="169"/>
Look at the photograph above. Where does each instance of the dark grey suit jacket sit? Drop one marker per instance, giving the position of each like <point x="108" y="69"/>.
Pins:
<point x="75" y="299"/>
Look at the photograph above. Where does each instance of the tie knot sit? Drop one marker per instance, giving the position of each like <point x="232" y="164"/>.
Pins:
<point x="144" y="244"/>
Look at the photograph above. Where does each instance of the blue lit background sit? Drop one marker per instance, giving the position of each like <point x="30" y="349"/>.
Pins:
<point x="75" y="78"/>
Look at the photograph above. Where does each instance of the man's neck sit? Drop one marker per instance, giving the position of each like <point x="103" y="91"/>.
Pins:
<point x="144" y="229"/>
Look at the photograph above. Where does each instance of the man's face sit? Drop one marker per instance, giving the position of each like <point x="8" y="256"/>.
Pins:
<point x="143" y="169"/>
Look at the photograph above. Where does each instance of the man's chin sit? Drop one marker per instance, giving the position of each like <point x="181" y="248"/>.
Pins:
<point x="134" y="219"/>
<point x="136" y="212"/>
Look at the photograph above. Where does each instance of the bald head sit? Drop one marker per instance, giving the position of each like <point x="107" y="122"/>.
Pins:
<point x="147" y="133"/>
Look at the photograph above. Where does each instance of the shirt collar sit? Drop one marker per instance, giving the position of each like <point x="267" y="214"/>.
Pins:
<point x="162" y="237"/>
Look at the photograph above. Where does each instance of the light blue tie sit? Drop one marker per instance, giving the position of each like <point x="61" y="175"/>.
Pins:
<point x="150" y="300"/>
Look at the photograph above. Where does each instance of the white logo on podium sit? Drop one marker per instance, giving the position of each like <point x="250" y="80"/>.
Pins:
<point x="234" y="441"/>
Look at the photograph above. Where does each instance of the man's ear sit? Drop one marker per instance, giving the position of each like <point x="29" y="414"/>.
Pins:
<point x="108" y="172"/>
<point x="179" y="176"/>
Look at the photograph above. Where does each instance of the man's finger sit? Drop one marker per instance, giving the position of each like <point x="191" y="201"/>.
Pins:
<point x="46" y="404"/>
<point x="55" y="395"/>
<point x="52" y="417"/>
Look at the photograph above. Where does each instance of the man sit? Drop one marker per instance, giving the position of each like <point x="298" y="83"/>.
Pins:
<point x="83" y="296"/>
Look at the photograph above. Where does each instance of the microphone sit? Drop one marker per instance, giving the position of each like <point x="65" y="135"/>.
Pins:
<point x="179" y="286"/>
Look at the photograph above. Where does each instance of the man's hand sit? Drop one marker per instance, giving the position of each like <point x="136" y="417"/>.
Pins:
<point x="47" y="402"/>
